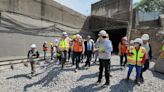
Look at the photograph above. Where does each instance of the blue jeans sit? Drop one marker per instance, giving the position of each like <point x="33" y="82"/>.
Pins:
<point x="45" y="52"/>
<point x="52" y="55"/>
<point x="138" y="70"/>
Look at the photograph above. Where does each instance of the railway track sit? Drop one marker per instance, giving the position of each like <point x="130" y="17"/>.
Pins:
<point x="13" y="62"/>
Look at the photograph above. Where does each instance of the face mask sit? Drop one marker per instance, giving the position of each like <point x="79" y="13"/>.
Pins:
<point x="104" y="37"/>
<point x="136" y="45"/>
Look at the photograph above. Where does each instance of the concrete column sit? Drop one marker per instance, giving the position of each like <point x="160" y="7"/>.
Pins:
<point x="130" y="20"/>
<point x="0" y="17"/>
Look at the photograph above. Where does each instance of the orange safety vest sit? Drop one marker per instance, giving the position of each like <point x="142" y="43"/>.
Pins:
<point x="123" y="48"/>
<point x="45" y="48"/>
<point x="137" y="57"/>
<point x="77" y="46"/>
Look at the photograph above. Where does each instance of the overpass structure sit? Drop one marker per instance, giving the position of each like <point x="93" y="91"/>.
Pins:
<point x="114" y="16"/>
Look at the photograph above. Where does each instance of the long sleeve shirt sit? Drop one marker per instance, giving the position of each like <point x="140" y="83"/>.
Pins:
<point x="105" y="48"/>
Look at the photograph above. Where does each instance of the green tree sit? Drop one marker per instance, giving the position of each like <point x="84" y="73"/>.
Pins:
<point x="150" y="5"/>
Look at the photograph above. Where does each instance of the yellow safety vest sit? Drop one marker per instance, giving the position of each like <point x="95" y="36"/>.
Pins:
<point x="162" y="53"/>
<point x="63" y="45"/>
<point x="136" y="58"/>
<point x="163" y="48"/>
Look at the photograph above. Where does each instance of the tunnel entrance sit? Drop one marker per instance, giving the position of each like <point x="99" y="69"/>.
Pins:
<point x="115" y="36"/>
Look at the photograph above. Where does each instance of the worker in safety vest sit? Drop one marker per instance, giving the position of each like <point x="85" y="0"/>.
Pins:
<point x="147" y="46"/>
<point x="136" y="58"/>
<point x="52" y="50"/>
<point x="45" y="49"/>
<point x="123" y="51"/>
<point x="63" y="47"/>
<point x="162" y="51"/>
<point x="78" y="49"/>
<point x="32" y="57"/>
<point x="73" y="55"/>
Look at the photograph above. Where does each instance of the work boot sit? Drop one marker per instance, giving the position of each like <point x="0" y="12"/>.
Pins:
<point x="76" y="70"/>
<point x="106" y="84"/>
<point x="32" y="73"/>
<point x="136" y="82"/>
<point x="98" y="82"/>
<point x="142" y="80"/>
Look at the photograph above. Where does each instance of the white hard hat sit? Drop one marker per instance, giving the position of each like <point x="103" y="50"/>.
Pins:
<point x="131" y="41"/>
<point x="45" y="41"/>
<point x="92" y="40"/>
<point x="138" y="40"/>
<point x="64" y="33"/>
<point x="33" y="46"/>
<point x="145" y="37"/>
<point x="81" y="37"/>
<point x="56" y="40"/>
<point x="77" y="36"/>
<point x="102" y="33"/>
<point x="125" y="38"/>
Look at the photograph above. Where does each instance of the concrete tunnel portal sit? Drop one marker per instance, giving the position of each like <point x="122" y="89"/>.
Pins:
<point x="115" y="35"/>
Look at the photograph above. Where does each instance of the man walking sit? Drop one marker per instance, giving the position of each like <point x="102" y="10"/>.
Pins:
<point x="45" y="49"/>
<point x="63" y="47"/>
<point x="88" y="50"/>
<point x="32" y="55"/>
<point x="146" y="44"/>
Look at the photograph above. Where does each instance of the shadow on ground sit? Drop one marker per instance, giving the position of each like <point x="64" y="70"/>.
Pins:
<point x="123" y="86"/>
<point x="50" y="77"/>
<point x="20" y="76"/>
<point x="158" y="74"/>
<point x="88" y="88"/>
<point x="89" y="76"/>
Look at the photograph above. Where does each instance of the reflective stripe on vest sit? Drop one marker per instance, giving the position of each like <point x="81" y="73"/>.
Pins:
<point x="63" y="45"/>
<point x="163" y="48"/>
<point x="136" y="58"/>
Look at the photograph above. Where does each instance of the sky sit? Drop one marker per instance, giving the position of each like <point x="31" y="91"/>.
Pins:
<point x="81" y="6"/>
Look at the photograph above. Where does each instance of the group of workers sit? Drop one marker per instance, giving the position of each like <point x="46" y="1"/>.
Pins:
<point x="137" y="53"/>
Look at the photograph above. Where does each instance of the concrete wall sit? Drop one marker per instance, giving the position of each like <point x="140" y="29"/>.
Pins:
<point x="118" y="9"/>
<point x="21" y="24"/>
<point x="16" y="45"/>
<point x="155" y="40"/>
<point x="44" y="9"/>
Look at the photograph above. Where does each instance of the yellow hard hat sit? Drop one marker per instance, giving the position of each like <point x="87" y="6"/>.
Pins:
<point x="73" y="36"/>
<point x="51" y="43"/>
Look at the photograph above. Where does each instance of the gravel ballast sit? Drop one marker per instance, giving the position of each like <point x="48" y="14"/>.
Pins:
<point x="51" y="78"/>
